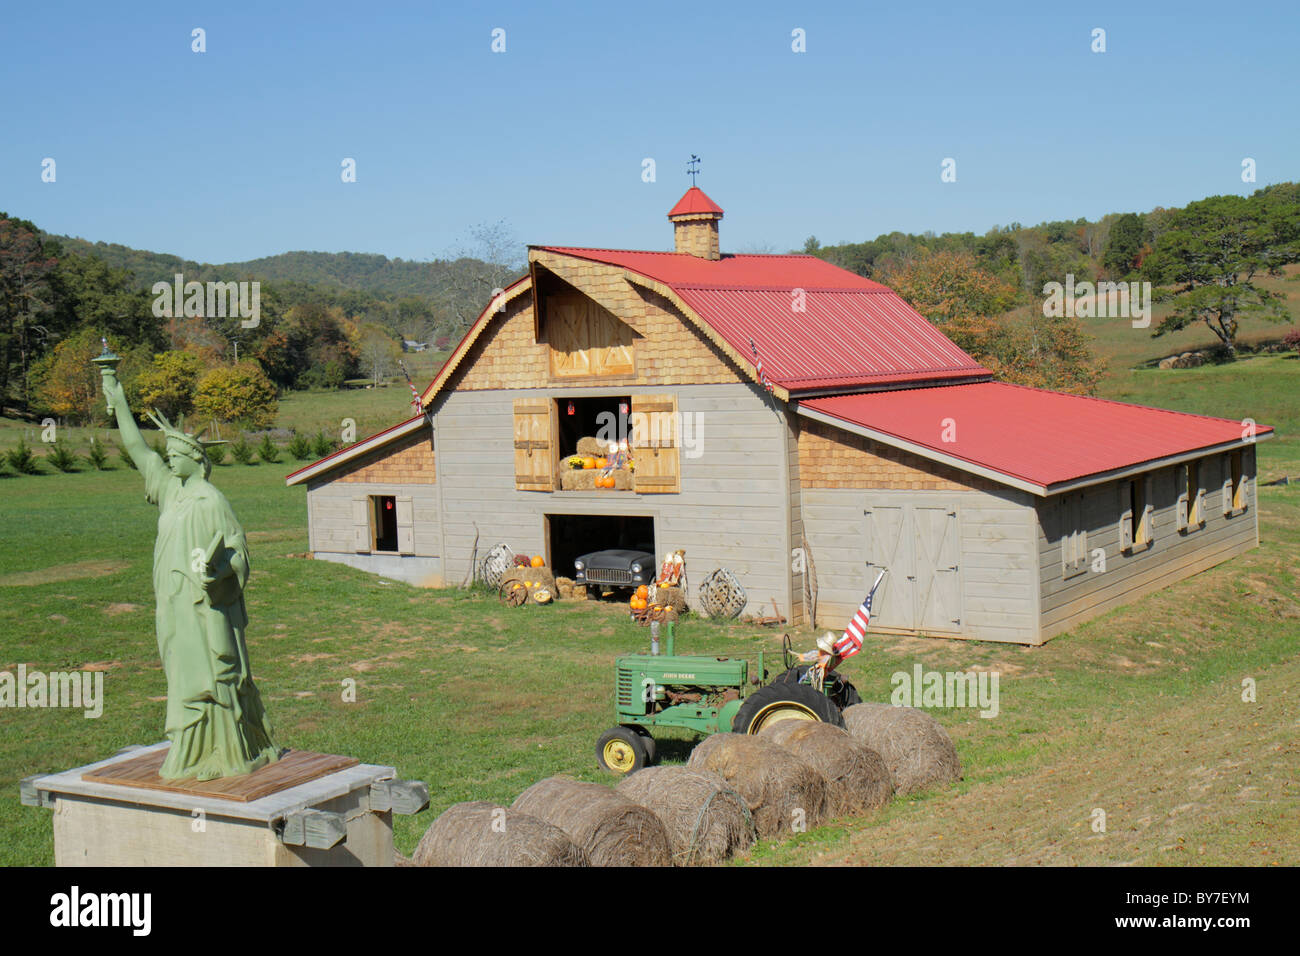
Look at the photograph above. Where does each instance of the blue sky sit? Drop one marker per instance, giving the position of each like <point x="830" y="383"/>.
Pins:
<point x="235" y="153"/>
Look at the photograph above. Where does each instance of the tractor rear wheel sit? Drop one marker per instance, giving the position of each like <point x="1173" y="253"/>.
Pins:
<point x="784" y="701"/>
<point x="841" y="690"/>
<point x="620" y="750"/>
<point x="648" y="742"/>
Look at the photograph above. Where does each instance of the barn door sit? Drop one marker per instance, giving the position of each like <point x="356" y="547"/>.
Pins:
<point x="889" y="541"/>
<point x="405" y="526"/>
<point x="655" y="444"/>
<point x="534" y="464"/>
<point x="938" y="586"/>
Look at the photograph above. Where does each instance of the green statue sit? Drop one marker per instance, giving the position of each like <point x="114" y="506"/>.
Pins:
<point x="215" y="720"/>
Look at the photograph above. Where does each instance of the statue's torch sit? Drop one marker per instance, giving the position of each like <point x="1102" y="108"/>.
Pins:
<point x="107" y="363"/>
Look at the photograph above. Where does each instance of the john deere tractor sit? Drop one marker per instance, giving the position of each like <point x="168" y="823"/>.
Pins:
<point x="708" y="695"/>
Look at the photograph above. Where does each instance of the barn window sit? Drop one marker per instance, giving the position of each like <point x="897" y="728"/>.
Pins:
<point x="1074" y="537"/>
<point x="383" y="524"/>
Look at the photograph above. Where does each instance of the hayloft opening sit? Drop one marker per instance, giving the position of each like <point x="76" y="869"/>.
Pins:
<point x="591" y="418"/>
<point x="572" y="536"/>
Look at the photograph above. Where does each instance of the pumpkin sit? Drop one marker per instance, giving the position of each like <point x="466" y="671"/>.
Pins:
<point x="588" y="462"/>
<point x="602" y="462"/>
<point x="538" y="561"/>
<point x="637" y="603"/>
<point x="643" y="592"/>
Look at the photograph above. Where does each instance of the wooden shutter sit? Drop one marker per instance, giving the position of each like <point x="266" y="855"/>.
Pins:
<point x="534" y="445"/>
<point x="656" y="444"/>
<point x="1184" y="513"/>
<point x="1227" y="485"/>
<point x="405" y="526"/>
<point x="362" y="539"/>
<point x="1125" y="516"/>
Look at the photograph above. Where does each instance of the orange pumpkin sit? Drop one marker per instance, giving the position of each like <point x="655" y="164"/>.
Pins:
<point x="602" y="462"/>
<point x="538" y="561"/>
<point x="588" y="462"/>
<point x="643" y="592"/>
<point x="637" y="603"/>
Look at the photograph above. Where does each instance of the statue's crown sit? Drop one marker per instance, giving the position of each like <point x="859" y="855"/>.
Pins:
<point x="177" y="432"/>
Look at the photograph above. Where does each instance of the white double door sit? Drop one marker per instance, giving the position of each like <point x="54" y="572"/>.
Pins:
<point x="919" y="544"/>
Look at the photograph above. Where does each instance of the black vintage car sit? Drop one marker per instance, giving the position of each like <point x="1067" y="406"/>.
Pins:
<point x="615" y="568"/>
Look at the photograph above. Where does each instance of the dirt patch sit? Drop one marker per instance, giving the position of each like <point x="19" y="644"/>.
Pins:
<point x="113" y="610"/>
<point x="309" y="658"/>
<point x="101" y="666"/>
<point x="63" y="572"/>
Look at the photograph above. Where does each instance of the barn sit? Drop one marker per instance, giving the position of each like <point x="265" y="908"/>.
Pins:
<point x="797" y="424"/>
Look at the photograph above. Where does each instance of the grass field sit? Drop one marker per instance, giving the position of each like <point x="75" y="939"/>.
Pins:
<point x="1138" y="713"/>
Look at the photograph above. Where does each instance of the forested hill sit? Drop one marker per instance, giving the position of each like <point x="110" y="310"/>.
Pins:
<point x="365" y="272"/>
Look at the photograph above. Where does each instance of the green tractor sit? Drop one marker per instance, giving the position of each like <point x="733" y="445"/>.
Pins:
<point x="708" y="695"/>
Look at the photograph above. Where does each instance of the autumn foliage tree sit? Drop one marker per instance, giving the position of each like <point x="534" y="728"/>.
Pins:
<point x="970" y="306"/>
<point x="67" y="382"/>
<point x="168" y="384"/>
<point x="240" y="394"/>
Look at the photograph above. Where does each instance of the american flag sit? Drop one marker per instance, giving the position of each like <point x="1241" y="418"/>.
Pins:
<point x="851" y="641"/>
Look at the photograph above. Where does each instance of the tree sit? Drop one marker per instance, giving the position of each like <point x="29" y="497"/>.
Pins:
<point x="67" y="382"/>
<point x="26" y="299"/>
<point x="491" y="260"/>
<point x="1127" y="238"/>
<point x="379" y="353"/>
<point x="168" y="385"/>
<point x="1212" y="252"/>
<point x="953" y="292"/>
<point x="240" y="394"/>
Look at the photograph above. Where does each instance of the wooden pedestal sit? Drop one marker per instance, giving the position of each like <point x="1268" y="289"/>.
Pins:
<point x="305" y="810"/>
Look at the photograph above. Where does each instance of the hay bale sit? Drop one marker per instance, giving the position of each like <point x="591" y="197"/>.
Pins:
<point x="917" y="750"/>
<point x="580" y="592"/>
<point x="706" y="820"/>
<point x="584" y="480"/>
<point x="593" y="448"/>
<point x="481" y="833"/>
<point x="611" y="829"/>
<point x="674" y="598"/>
<point x="856" y="774"/>
<point x="564" y="587"/>
<point x="774" y="782"/>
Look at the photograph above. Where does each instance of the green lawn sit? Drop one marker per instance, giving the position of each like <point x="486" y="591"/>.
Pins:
<point x="1137" y="712"/>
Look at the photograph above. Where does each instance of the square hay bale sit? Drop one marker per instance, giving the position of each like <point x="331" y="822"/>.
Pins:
<point x="584" y="480"/>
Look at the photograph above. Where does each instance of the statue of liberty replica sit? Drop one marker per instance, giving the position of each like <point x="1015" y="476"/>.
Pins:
<point x="215" y="721"/>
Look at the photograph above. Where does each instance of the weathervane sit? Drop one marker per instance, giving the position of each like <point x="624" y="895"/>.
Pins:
<point x="693" y="168"/>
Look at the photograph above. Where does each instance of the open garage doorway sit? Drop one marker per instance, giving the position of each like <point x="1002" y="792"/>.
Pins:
<point x="570" y="536"/>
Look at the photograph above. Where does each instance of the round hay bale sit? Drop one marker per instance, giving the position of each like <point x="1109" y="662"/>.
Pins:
<point x="917" y="750"/>
<point x="706" y="820"/>
<point x="611" y="829"/>
<point x="481" y="833"/>
<point x="784" y="794"/>
<point x="856" y="774"/>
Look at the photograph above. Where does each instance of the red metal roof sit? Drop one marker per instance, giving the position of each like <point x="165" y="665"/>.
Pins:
<point x="1041" y="438"/>
<point x="695" y="202"/>
<point x="815" y="325"/>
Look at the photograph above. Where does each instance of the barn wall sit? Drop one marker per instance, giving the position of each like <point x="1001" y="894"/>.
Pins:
<point x="403" y="469"/>
<point x="830" y="457"/>
<point x="1172" y="556"/>
<point x="996" y="557"/>
<point x="732" y="510"/>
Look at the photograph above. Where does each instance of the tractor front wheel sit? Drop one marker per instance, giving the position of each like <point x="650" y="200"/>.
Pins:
<point x="784" y="701"/>
<point x="621" y="750"/>
<point x="651" y="750"/>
